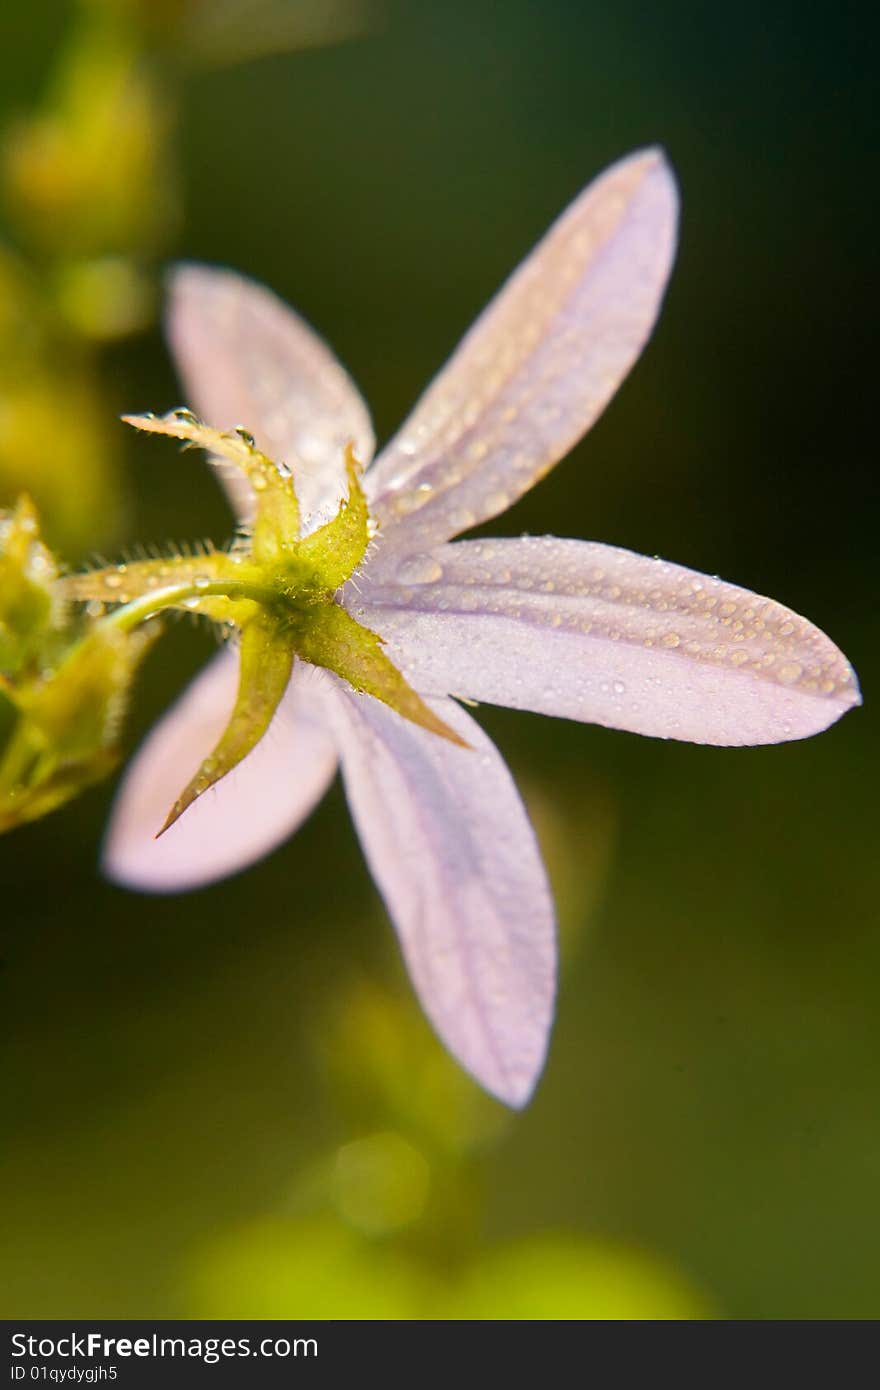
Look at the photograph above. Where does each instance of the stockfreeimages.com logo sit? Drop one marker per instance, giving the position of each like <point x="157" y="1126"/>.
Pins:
<point x="94" y="1346"/>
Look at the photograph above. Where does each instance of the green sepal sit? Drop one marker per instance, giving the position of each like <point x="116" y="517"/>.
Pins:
<point x="266" y="662"/>
<point x="333" y="552"/>
<point x="276" y="513"/>
<point x="330" y="637"/>
<point x="123" y="583"/>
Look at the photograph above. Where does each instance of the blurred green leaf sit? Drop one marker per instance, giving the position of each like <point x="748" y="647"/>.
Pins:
<point x="277" y="1268"/>
<point x="566" y="1279"/>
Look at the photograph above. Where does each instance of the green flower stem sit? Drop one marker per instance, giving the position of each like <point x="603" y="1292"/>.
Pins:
<point x="130" y="615"/>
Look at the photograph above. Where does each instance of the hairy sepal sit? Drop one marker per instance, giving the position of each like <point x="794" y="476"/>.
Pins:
<point x="266" y="663"/>
<point x="276" y="521"/>
<point x="331" y="638"/>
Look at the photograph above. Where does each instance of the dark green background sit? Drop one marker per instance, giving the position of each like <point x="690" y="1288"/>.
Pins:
<point x="180" y="1073"/>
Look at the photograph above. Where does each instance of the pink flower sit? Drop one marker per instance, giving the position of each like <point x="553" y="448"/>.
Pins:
<point x="564" y="627"/>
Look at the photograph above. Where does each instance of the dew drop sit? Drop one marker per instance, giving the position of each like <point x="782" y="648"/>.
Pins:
<point x="410" y="501"/>
<point x="790" y="671"/>
<point x="419" y="569"/>
<point x="670" y="639"/>
<point x="618" y="687"/>
<point x="497" y="502"/>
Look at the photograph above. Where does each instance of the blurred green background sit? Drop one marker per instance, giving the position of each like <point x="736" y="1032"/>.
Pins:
<point x="228" y="1104"/>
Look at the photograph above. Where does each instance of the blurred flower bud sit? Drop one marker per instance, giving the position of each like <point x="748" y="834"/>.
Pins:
<point x="30" y="603"/>
<point x="90" y="174"/>
<point x="64" y="688"/>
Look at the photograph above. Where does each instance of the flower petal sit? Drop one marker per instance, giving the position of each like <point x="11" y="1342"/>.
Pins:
<point x="538" y="366"/>
<point x="455" y="858"/>
<point x="256" y="806"/>
<point x="246" y="359"/>
<point x="595" y="633"/>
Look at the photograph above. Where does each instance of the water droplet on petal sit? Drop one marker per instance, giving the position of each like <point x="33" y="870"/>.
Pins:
<point x="419" y="569"/>
<point x="462" y="519"/>
<point x="497" y="502"/>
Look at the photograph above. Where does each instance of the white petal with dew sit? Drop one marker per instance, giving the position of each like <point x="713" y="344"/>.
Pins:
<point x="248" y="813"/>
<point x="538" y="366"/>
<point x="246" y="359"/>
<point x="599" y="634"/>
<point x="452" y="851"/>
